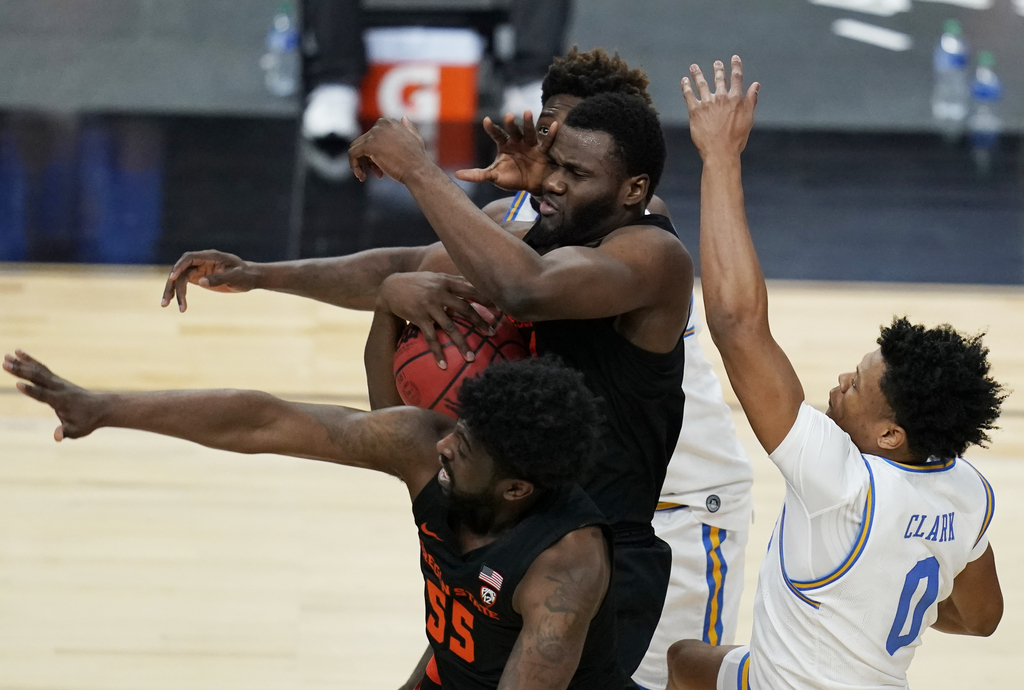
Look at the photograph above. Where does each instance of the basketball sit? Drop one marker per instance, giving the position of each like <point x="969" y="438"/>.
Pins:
<point x="424" y="384"/>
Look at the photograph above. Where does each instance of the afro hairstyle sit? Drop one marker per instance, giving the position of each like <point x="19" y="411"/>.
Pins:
<point x="937" y="383"/>
<point x="634" y="128"/>
<point x="535" y="417"/>
<point x="585" y="74"/>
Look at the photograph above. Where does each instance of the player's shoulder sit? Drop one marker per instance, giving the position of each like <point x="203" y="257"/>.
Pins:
<point x="650" y="246"/>
<point x="579" y="559"/>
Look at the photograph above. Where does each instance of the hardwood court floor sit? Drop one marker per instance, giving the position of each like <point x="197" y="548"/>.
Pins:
<point x="131" y="561"/>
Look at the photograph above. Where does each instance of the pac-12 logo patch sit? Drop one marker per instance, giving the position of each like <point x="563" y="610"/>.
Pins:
<point x="487" y="595"/>
<point x="713" y="503"/>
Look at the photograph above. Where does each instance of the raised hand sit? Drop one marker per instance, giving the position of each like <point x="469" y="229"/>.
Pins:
<point x="521" y="160"/>
<point x="720" y="122"/>
<point x="78" y="410"/>
<point x="390" y="148"/>
<point x="426" y="299"/>
<point x="213" y="270"/>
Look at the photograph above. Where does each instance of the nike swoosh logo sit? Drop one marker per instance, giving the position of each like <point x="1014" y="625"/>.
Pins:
<point x="427" y="532"/>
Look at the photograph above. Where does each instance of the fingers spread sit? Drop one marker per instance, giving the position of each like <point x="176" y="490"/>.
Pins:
<point x="461" y="287"/>
<point x="430" y="335"/>
<point x="181" y="286"/>
<point x="495" y="132"/>
<point x="688" y="95"/>
<point x="702" y="84"/>
<point x="455" y="335"/>
<point x="165" y="299"/>
<point x="719" y="77"/>
<point x="549" y="139"/>
<point x="474" y="175"/>
<point x="466" y="311"/>
<point x="515" y="134"/>
<point x="736" y="85"/>
<point x="34" y="392"/>
<point x="529" y="129"/>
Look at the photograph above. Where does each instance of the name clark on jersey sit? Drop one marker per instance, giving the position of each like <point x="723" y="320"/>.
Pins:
<point x="939" y="529"/>
<point x="458" y="591"/>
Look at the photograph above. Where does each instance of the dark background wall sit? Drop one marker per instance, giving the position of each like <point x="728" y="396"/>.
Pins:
<point x="201" y="56"/>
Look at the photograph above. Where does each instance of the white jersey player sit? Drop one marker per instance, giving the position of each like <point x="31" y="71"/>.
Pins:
<point x="883" y="530"/>
<point x="705" y="508"/>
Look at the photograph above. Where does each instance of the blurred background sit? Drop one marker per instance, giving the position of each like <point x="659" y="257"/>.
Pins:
<point x="134" y="130"/>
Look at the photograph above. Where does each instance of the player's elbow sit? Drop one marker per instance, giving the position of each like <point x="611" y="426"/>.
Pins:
<point x="985" y="619"/>
<point x="521" y="301"/>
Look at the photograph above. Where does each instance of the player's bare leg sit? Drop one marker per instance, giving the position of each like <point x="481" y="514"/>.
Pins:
<point x="693" y="664"/>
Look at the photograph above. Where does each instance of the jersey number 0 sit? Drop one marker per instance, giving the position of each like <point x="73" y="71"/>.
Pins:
<point x="927" y="570"/>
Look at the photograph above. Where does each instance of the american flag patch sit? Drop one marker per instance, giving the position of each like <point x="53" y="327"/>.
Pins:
<point x="491" y="577"/>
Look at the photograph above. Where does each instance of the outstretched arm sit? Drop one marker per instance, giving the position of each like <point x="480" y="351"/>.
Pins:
<point x="975" y="605"/>
<point x="735" y="296"/>
<point x="557" y="598"/>
<point x="346" y="281"/>
<point x="398" y="441"/>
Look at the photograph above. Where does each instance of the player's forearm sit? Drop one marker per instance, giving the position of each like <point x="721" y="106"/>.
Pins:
<point x="379" y="359"/>
<point x="975" y="606"/>
<point x="233" y="420"/>
<point x="350" y="281"/>
<point x="498" y="264"/>
<point x="735" y="296"/>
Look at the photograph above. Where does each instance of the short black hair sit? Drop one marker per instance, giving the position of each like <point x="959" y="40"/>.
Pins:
<point x="585" y="74"/>
<point x="634" y="127"/>
<point x="936" y="381"/>
<point x="535" y="417"/>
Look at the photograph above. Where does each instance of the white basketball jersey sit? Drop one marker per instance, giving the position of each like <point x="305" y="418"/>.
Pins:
<point x="709" y="470"/>
<point x="521" y="210"/>
<point x="859" y="626"/>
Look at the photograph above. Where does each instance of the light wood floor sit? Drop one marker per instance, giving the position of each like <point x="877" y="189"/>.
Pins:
<point x="137" y="562"/>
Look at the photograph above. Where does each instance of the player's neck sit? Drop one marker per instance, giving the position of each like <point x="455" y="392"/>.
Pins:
<point x="480" y="527"/>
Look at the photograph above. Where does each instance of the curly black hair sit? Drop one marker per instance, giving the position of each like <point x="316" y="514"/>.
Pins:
<point x="585" y="74"/>
<point x="535" y="417"/>
<point x="634" y="127"/>
<point x="936" y="382"/>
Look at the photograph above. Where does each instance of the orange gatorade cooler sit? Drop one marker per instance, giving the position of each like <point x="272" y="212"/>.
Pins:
<point x="428" y="75"/>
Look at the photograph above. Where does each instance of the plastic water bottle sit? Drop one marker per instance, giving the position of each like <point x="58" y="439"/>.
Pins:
<point x="984" y="124"/>
<point x="281" y="61"/>
<point x="950" y="97"/>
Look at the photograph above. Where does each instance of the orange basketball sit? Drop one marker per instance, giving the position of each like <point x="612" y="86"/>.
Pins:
<point x="424" y="384"/>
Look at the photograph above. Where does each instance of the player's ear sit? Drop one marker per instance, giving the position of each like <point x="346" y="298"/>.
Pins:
<point x="517" y="489"/>
<point x="892" y="438"/>
<point x="636" y="189"/>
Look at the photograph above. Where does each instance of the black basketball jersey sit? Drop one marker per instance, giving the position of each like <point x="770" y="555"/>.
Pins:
<point x="470" y="622"/>
<point x="641" y="401"/>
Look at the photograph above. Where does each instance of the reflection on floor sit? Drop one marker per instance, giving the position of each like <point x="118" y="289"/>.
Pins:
<point x="826" y="206"/>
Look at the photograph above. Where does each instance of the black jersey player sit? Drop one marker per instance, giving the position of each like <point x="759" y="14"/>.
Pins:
<point x="516" y="558"/>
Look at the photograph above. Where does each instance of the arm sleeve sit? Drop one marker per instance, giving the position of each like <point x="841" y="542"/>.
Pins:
<point x="826" y="486"/>
<point x="820" y="463"/>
